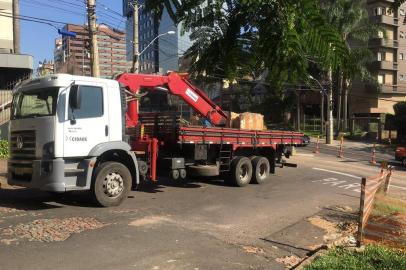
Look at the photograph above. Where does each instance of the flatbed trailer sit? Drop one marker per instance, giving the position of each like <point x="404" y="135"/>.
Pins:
<point x="167" y="146"/>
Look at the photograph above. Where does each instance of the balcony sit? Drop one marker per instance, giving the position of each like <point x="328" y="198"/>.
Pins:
<point x="387" y="89"/>
<point x="384" y="65"/>
<point x="381" y="42"/>
<point x="383" y="19"/>
<point x="380" y="1"/>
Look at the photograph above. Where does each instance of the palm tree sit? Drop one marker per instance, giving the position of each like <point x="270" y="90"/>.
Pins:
<point x="351" y="20"/>
<point x="232" y="39"/>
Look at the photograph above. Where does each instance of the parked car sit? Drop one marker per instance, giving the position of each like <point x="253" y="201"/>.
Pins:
<point x="400" y="155"/>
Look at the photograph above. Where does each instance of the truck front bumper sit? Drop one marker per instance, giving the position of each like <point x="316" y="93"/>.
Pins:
<point x="54" y="175"/>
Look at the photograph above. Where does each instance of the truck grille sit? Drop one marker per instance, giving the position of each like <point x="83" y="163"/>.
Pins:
<point x="22" y="154"/>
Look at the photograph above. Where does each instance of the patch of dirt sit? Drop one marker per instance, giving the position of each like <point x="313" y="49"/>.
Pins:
<point x="152" y="220"/>
<point x="51" y="230"/>
<point x="289" y="261"/>
<point x="337" y="233"/>
<point x="388" y="230"/>
<point x="8" y="210"/>
<point x="326" y="225"/>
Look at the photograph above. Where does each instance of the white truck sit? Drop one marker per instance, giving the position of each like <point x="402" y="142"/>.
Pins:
<point x="81" y="133"/>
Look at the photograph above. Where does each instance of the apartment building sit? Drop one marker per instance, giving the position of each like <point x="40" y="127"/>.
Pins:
<point x="389" y="67"/>
<point x="71" y="54"/>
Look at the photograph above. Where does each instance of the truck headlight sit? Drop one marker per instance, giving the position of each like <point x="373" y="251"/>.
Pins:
<point x="49" y="149"/>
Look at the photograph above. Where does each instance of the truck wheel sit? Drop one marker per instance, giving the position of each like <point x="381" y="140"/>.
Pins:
<point x="261" y="169"/>
<point x="241" y="171"/>
<point x="174" y="174"/>
<point x="404" y="162"/>
<point x="111" y="184"/>
<point x="182" y="174"/>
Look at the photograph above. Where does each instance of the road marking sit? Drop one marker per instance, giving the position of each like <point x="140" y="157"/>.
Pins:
<point x="303" y="155"/>
<point x="349" y="175"/>
<point x="340" y="173"/>
<point x="334" y="182"/>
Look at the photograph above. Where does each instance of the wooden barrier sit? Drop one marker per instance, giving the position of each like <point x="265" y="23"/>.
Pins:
<point x="369" y="188"/>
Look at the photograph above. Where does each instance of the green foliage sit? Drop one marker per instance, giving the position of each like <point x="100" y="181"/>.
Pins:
<point x="373" y="257"/>
<point x="4" y="149"/>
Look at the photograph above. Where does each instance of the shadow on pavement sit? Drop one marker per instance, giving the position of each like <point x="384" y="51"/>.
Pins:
<point x="162" y="183"/>
<point x="29" y="199"/>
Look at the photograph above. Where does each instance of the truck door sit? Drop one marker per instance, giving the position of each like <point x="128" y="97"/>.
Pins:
<point x="88" y="125"/>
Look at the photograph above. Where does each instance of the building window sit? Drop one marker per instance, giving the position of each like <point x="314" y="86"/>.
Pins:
<point x="380" y="34"/>
<point x="402" y="12"/>
<point x="402" y="34"/>
<point x="379" y="56"/>
<point x="381" y="79"/>
<point x="378" y="11"/>
<point x="401" y="56"/>
<point x="401" y="77"/>
<point x="389" y="12"/>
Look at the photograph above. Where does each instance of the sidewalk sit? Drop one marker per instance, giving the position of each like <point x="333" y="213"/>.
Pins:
<point x="358" y="146"/>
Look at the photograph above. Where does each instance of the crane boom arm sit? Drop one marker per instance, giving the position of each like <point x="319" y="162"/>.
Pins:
<point x="177" y="85"/>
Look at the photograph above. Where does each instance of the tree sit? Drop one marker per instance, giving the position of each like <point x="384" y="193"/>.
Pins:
<point x="351" y="20"/>
<point x="235" y="39"/>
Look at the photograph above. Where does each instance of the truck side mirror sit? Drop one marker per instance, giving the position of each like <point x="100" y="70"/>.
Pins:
<point x="75" y="97"/>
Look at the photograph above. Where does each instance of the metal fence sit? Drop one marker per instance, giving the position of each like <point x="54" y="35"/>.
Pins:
<point x="5" y="108"/>
<point x="369" y="188"/>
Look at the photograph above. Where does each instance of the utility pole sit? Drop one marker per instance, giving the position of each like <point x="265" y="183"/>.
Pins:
<point x="94" y="51"/>
<point x="136" y="63"/>
<point x="330" y="119"/>
<point x="16" y="26"/>
<point x="322" y="112"/>
<point x="345" y="107"/>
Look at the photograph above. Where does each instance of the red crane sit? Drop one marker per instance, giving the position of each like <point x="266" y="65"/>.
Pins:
<point x="176" y="84"/>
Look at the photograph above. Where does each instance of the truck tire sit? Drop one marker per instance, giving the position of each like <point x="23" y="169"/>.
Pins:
<point x="404" y="162"/>
<point x="174" y="174"/>
<point x="261" y="169"/>
<point x="241" y="171"/>
<point x="111" y="184"/>
<point x="182" y="174"/>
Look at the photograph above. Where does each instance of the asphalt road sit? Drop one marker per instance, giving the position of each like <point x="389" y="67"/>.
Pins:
<point x="200" y="225"/>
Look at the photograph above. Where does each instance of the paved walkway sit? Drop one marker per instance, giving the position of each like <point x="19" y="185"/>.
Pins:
<point x="359" y="146"/>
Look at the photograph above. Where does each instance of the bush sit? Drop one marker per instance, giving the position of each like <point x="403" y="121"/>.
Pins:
<point x="4" y="149"/>
<point x="373" y="257"/>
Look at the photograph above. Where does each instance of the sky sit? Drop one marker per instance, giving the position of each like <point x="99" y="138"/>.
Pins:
<point x="38" y="39"/>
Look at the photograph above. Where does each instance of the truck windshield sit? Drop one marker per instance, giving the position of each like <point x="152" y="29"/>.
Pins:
<point x="35" y="103"/>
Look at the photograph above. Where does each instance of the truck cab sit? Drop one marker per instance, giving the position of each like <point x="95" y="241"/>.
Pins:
<point x="61" y="127"/>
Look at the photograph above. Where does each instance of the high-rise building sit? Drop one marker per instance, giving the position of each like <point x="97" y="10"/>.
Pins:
<point x="389" y="67"/>
<point x="13" y="65"/>
<point x="72" y="54"/>
<point x="165" y="53"/>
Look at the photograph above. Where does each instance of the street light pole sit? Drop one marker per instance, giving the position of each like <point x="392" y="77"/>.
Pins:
<point x="330" y="118"/>
<point x="138" y="54"/>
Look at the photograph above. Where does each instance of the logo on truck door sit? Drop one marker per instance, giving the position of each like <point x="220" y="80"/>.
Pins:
<point x="20" y="142"/>
<point x="192" y="95"/>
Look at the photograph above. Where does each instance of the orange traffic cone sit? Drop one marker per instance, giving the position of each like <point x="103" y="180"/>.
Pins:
<point x="317" y="150"/>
